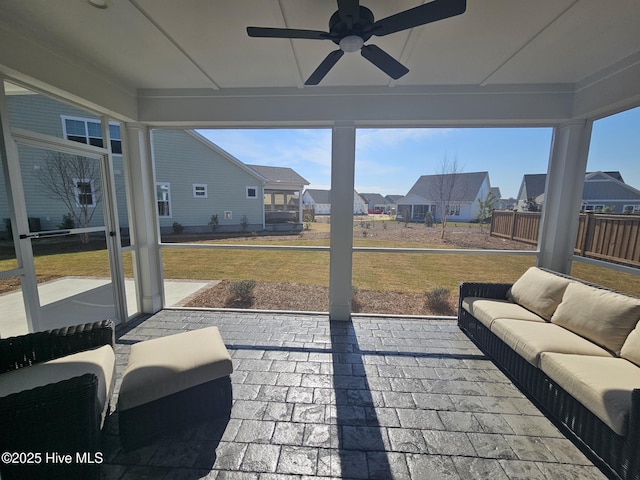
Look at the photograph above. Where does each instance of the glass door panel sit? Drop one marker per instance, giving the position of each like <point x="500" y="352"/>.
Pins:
<point x="67" y="234"/>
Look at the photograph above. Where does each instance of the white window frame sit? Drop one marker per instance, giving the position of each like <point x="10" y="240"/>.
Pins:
<point x="634" y="209"/>
<point x="86" y="135"/>
<point x="168" y="200"/>
<point x="77" y="192"/>
<point x="595" y="208"/>
<point x="253" y="197"/>
<point x="203" y="189"/>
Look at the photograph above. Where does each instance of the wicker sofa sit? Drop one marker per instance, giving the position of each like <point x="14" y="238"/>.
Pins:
<point x="574" y="349"/>
<point x="55" y="390"/>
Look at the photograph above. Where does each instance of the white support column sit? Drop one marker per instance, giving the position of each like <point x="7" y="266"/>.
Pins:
<point x="300" y="209"/>
<point x="10" y="163"/>
<point x="143" y="219"/>
<point x="563" y="195"/>
<point x="343" y="153"/>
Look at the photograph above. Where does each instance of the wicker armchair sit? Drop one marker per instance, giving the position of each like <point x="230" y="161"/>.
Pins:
<point x="64" y="417"/>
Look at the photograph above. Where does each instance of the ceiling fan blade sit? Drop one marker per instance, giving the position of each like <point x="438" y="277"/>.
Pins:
<point x="266" y="32"/>
<point x="420" y="15"/>
<point x="349" y="11"/>
<point x="324" y="67"/>
<point x="384" y="61"/>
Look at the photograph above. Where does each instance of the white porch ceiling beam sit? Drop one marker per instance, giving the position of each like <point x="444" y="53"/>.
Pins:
<point x="400" y="106"/>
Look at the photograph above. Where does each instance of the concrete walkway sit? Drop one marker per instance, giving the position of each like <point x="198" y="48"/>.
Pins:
<point x="64" y="300"/>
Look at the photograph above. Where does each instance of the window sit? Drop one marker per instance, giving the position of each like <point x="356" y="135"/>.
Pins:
<point x="163" y="197"/>
<point x="631" y="209"/>
<point x="453" y="210"/>
<point x="252" y="192"/>
<point x="84" y="192"/>
<point x="199" y="190"/>
<point x="90" y="132"/>
<point x="594" y="208"/>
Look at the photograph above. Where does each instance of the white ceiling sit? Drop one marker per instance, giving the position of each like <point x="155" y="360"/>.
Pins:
<point x="141" y="45"/>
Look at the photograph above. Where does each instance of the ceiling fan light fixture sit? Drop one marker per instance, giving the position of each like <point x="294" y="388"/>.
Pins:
<point x="352" y="43"/>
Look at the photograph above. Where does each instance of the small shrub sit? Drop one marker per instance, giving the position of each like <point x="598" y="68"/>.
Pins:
<point x="356" y="306"/>
<point x="214" y="223"/>
<point x="177" y="228"/>
<point x="307" y="221"/>
<point x="428" y="219"/>
<point x="241" y="293"/>
<point x="244" y="223"/>
<point x="437" y="301"/>
<point x="68" y="222"/>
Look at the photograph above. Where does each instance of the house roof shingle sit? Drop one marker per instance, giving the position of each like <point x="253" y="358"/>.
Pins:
<point x="279" y="174"/>
<point x="466" y="188"/>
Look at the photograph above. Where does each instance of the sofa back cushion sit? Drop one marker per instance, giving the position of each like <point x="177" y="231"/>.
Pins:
<point x="631" y="347"/>
<point x="539" y="291"/>
<point x="602" y="316"/>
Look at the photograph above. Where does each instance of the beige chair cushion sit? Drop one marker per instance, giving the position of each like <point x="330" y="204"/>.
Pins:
<point x="539" y="291"/>
<point x="167" y="365"/>
<point x="603" y="385"/>
<point x="100" y="361"/>
<point x="603" y="317"/>
<point x="530" y="339"/>
<point x="631" y="347"/>
<point x="487" y="310"/>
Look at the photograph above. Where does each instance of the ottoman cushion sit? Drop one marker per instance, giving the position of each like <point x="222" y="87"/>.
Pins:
<point x="163" y="366"/>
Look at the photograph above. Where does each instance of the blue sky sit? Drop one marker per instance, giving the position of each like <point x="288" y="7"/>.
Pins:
<point x="389" y="161"/>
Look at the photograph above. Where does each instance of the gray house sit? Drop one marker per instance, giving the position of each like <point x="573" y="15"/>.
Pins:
<point x="376" y="203"/>
<point x="455" y="194"/>
<point x="196" y="181"/>
<point x="602" y="190"/>
<point x="320" y="202"/>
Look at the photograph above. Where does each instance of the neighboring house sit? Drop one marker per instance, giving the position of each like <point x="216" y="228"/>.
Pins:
<point x="282" y="193"/>
<point x="320" y="202"/>
<point x="376" y="203"/>
<point x="392" y="203"/>
<point x="502" y="203"/>
<point x="602" y="191"/>
<point x="457" y="194"/>
<point x="195" y="179"/>
<point x="531" y="188"/>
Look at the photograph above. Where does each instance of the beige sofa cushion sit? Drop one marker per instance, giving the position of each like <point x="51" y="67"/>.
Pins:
<point x="538" y="291"/>
<point x="603" y="317"/>
<point x="631" y="347"/>
<point x="530" y="339"/>
<point x="167" y="365"/>
<point x="487" y="310"/>
<point x="601" y="384"/>
<point x="100" y="361"/>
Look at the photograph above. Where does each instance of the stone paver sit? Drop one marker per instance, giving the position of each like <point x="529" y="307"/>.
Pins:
<point x="372" y="398"/>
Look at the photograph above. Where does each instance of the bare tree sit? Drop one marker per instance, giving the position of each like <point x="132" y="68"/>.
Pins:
<point x="448" y="188"/>
<point x="76" y="182"/>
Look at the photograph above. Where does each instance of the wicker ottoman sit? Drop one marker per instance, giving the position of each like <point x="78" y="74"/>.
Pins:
<point x="171" y="382"/>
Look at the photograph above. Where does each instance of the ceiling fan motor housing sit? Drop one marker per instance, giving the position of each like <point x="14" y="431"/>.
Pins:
<point x="339" y="29"/>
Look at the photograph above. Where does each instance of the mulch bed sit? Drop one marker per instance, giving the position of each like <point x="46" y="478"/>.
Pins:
<point x="311" y="298"/>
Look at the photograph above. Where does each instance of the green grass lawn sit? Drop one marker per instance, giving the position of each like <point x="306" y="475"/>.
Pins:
<point x="383" y="271"/>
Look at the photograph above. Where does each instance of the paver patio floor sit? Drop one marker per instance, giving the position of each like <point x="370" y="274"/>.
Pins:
<point x="372" y="398"/>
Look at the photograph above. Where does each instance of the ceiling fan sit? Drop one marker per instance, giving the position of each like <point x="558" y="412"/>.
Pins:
<point x="352" y="25"/>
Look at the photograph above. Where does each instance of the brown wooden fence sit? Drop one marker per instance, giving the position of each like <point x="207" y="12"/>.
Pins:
<point x="612" y="238"/>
